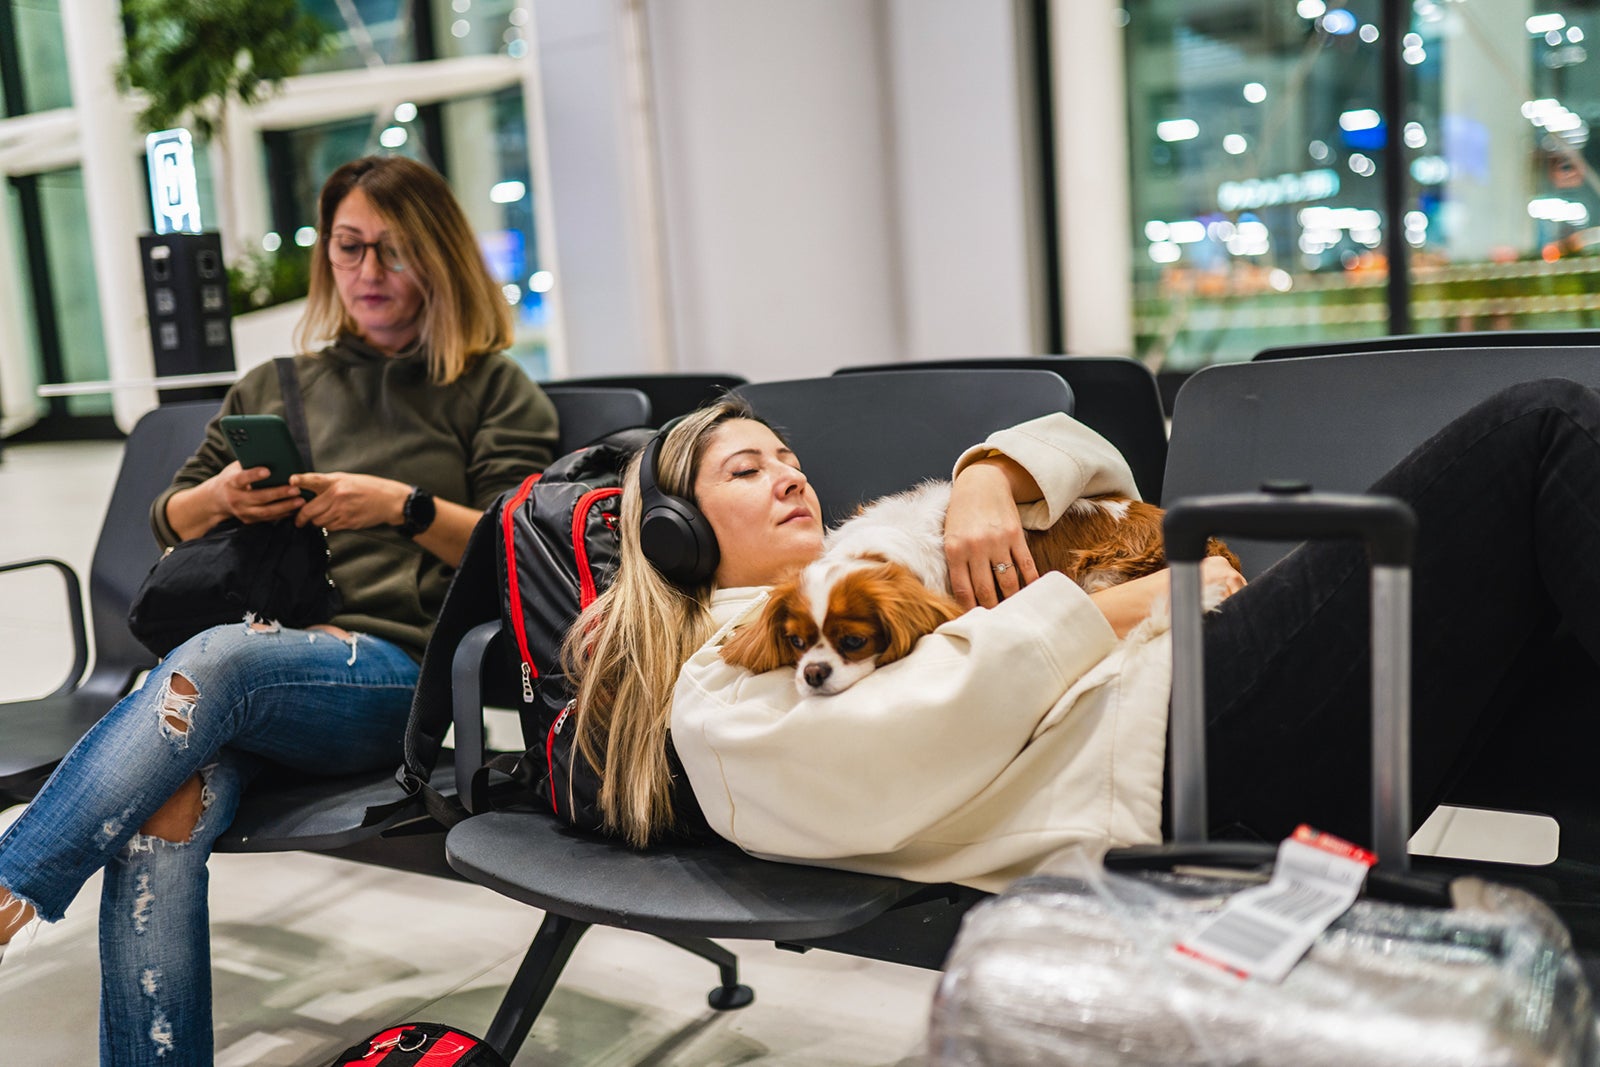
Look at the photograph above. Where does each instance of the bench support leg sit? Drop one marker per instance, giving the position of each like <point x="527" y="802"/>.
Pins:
<point x="730" y="994"/>
<point x="552" y="947"/>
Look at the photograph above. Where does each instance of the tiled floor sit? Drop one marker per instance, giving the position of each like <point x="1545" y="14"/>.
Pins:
<point x="313" y="953"/>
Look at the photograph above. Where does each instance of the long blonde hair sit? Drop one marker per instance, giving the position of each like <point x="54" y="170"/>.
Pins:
<point x="464" y="314"/>
<point x="627" y="647"/>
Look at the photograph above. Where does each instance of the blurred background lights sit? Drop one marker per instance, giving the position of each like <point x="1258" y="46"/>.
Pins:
<point x="406" y="112"/>
<point x="512" y="292"/>
<point x="1430" y="170"/>
<point x="393" y="137"/>
<point x="1165" y="252"/>
<point x="1310" y="9"/>
<point x="1411" y="40"/>
<point x="1188" y="232"/>
<point x="1178" y="130"/>
<point x="1318" y="150"/>
<point x="1234" y="144"/>
<point x="1339" y="22"/>
<point x="271" y="242"/>
<point x="540" y="281"/>
<point x="1369" y="33"/>
<point x="1415" y="135"/>
<point x="1255" y="92"/>
<point x="1552" y="38"/>
<point x="1541" y="24"/>
<point x="1361" y="165"/>
<point x="305" y="236"/>
<point x="460" y="28"/>
<point x="1574" y="34"/>
<point x="1156" y="230"/>
<point x="518" y="16"/>
<point x="507" y="192"/>
<point x="1557" y="209"/>
<point x="517" y="49"/>
<point x="1280" y="280"/>
<point x="461" y="7"/>
<point x="1360" y="119"/>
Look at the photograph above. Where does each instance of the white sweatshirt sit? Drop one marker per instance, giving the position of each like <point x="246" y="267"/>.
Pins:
<point x="1006" y="735"/>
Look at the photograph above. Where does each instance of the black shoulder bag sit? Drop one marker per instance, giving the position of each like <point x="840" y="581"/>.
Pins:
<point x="272" y="571"/>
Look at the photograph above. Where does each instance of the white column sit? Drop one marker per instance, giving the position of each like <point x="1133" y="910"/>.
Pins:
<point x="17" y="378"/>
<point x="1092" y="194"/>
<point x="115" y="198"/>
<point x="544" y="216"/>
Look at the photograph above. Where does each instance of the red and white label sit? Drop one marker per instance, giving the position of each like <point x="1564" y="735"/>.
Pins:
<point x="1262" y="932"/>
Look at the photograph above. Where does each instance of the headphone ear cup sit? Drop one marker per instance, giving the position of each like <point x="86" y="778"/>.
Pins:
<point x="674" y="536"/>
<point x="678" y="541"/>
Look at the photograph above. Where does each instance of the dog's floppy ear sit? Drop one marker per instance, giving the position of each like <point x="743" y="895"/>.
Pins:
<point x="907" y="609"/>
<point x="759" y="646"/>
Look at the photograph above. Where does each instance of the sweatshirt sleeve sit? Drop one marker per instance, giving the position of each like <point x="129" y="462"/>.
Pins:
<point x="863" y="771"/>
<point x="213" y="453"/>
<point x="1065" y="457"/>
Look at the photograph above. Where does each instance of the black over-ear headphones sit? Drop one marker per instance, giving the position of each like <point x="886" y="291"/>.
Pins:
<point x="675" y="537"/>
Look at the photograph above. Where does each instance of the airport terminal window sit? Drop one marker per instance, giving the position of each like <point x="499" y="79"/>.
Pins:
<point x="373" y="32"/>
<point x="33" y="59"/>
<point x="1257" y="150"/>
<point x="484" y="154"/>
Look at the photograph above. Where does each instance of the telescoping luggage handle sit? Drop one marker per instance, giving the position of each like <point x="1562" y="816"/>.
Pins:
<point x="1291" y="512"/>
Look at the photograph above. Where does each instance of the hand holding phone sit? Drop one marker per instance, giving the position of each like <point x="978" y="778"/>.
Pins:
<point x="263" y="441"/>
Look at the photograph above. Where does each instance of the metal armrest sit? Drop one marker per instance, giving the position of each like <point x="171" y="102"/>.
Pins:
<point x="80" y="636"/>
<point x="466" y="704"/>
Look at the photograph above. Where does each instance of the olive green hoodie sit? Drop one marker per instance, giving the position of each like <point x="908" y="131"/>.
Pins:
<point x="370" y="413"/>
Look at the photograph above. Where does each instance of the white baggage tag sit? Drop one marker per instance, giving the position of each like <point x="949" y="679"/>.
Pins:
<point x="1262" y="932"/>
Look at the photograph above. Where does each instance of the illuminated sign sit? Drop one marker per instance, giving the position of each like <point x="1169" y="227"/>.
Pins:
<point x="1284" y="189"/>
<point x="172" y="185"/>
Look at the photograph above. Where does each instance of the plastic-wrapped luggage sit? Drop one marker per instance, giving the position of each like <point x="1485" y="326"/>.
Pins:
<point x="1075" y="965"/>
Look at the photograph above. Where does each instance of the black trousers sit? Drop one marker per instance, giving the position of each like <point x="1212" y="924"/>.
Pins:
<point x="1508" y="505"/>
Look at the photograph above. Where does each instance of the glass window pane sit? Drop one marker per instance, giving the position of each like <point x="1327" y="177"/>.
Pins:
<point x="65" y="215"/>
<point x="478" y="27"/>
<point x="364" y="30"/>
<point x="20" y="280"/>
<point x="1256" y="159"/>
<point x="41" y="54"/>
<point x="1505" y="203"/>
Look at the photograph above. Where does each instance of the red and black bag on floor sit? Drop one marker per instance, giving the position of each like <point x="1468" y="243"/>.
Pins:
<point x="420" y="1045"/>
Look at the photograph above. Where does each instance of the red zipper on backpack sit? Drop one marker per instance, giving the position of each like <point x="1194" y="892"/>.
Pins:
<point x="580" y="519"/>
<point x="518" y="627"/>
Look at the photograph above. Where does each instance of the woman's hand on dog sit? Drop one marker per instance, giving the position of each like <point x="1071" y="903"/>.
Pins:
<point x="982" y="528"/>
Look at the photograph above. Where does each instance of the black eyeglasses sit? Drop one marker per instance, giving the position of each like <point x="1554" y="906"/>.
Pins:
<point x="346" y="253"/>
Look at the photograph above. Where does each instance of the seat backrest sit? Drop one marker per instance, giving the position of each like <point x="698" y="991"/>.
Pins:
<point x="1336" y="422"/>
<point x="670" y="395"/>
<point x="863" y="436"/>
<point x="1113" y="395"/>
<point x="1503" y="340"/>
<point x="586" y="412"/>
<point x="126" y="549"/>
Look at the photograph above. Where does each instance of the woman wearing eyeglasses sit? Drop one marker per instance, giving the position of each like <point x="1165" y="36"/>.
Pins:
<point x="416" y="421"/>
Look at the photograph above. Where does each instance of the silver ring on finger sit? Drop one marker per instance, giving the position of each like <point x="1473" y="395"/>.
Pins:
<point x="1001" y="568"/>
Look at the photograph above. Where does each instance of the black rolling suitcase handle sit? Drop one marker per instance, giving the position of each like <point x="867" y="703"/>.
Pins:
<point x="1294" y="513"/>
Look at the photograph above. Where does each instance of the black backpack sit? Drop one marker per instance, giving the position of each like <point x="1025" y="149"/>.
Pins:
<point x="554" y="544"/>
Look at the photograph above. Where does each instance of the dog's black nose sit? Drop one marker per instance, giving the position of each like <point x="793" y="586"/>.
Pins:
<point x="817" y="673"/>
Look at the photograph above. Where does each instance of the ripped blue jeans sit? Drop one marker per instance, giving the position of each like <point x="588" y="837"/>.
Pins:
<point x="219" y="705"/>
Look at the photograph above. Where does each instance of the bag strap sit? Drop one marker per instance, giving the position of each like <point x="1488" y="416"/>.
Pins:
<point x="294" y="412"/>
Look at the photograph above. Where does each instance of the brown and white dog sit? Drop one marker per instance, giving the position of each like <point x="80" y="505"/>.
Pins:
<point x="882" y="583"/>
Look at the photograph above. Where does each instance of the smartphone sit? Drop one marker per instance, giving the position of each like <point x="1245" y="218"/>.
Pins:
<point x="263" y="441"/>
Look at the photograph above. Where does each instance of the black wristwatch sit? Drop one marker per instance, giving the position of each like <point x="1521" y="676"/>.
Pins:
<point x="418" y="513"/>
